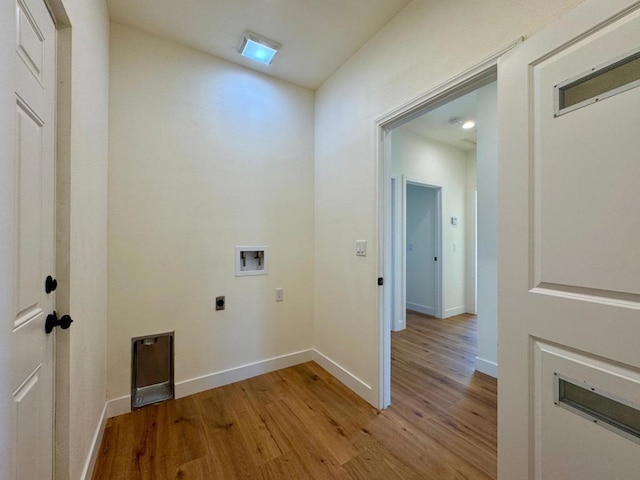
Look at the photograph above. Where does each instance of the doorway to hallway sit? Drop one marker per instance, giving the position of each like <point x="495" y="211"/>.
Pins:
<point x="431" y="146"/>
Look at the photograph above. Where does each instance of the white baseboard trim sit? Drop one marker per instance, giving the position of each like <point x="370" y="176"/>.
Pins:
<point x="416" y="307"/>
<point x="398" y="327"/>
<point x="232" y="375"/>
<point x="452" y="312"/>
<point x="90" y="463"/>
<point x="346" y="377"/>
<point x="121" y="405"/>
<point x="487" y="367"/>
<point x="118" y="406"/>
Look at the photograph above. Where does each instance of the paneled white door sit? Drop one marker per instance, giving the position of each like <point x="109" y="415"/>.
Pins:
<point x="569" y="249"/>
<point x="32" y="348"/>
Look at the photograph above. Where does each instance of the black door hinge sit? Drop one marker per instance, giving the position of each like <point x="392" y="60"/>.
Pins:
<point x="380" y="281"/>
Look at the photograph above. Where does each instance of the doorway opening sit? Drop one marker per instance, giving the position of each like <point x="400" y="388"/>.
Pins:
<point x="417" y="271"/>
<point x="412" y="148"/>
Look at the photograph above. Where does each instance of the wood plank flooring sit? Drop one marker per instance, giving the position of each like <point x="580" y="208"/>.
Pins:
<point x="301" y="423"/>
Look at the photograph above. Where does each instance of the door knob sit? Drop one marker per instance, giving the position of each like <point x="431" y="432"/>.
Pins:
<point x="52" y="321"/>
<point x="50" y="284"/>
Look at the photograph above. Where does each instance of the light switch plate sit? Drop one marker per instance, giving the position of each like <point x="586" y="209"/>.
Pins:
<point x="361" y="248"/>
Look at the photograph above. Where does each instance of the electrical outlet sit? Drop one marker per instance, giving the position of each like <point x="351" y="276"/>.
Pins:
<point x="220" y="303"/>
<point x="280" y="294"/>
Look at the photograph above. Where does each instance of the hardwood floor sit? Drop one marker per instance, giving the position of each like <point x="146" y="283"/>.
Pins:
<point x="301" y="423"/>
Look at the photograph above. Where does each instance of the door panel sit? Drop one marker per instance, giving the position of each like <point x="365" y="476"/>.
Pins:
<point x="29" y="399"/>
<point x="569" y="271"/>
<point x="34" y="166"/>
<point x="30" y="45"/>
<point x="29" y="241"/>
<point x="569" y="445"/>
<point x="584" y="240"/>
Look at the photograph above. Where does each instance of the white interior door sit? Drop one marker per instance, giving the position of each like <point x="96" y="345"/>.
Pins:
<point x="421" y="238"/>
<point x="32" y="348"/>
<point x="569" y="249"/>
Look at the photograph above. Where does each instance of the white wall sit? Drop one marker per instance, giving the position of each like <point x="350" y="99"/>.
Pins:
<point x="205" y="155"/>
<point x="420" y="248"/>
<point x="418" y="157"/>
<point x="425" y="44"/>
<point x="487" y="172"/>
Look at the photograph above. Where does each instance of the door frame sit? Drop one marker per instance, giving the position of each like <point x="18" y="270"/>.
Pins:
<point x="397" y="300"/>
<point x="472" y="251"/>
<point x="62" y="449"/>
<point x="439" y="280"/>
<point x="473" y="78"/>
<point x="61" y="359"/>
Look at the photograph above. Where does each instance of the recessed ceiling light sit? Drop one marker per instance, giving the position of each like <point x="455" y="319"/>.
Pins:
<point x="461" y="122"/>
<point x="258" y="48"/>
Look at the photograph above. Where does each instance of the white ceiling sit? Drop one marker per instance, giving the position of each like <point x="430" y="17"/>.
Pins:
<point x="435" y="124"/>
<point x="317" y="36"/>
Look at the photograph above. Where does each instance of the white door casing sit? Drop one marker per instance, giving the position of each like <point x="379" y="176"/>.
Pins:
<point x="397" y="301"/>
<point x="32" y="349"/>
<point x="569" y="263"/>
